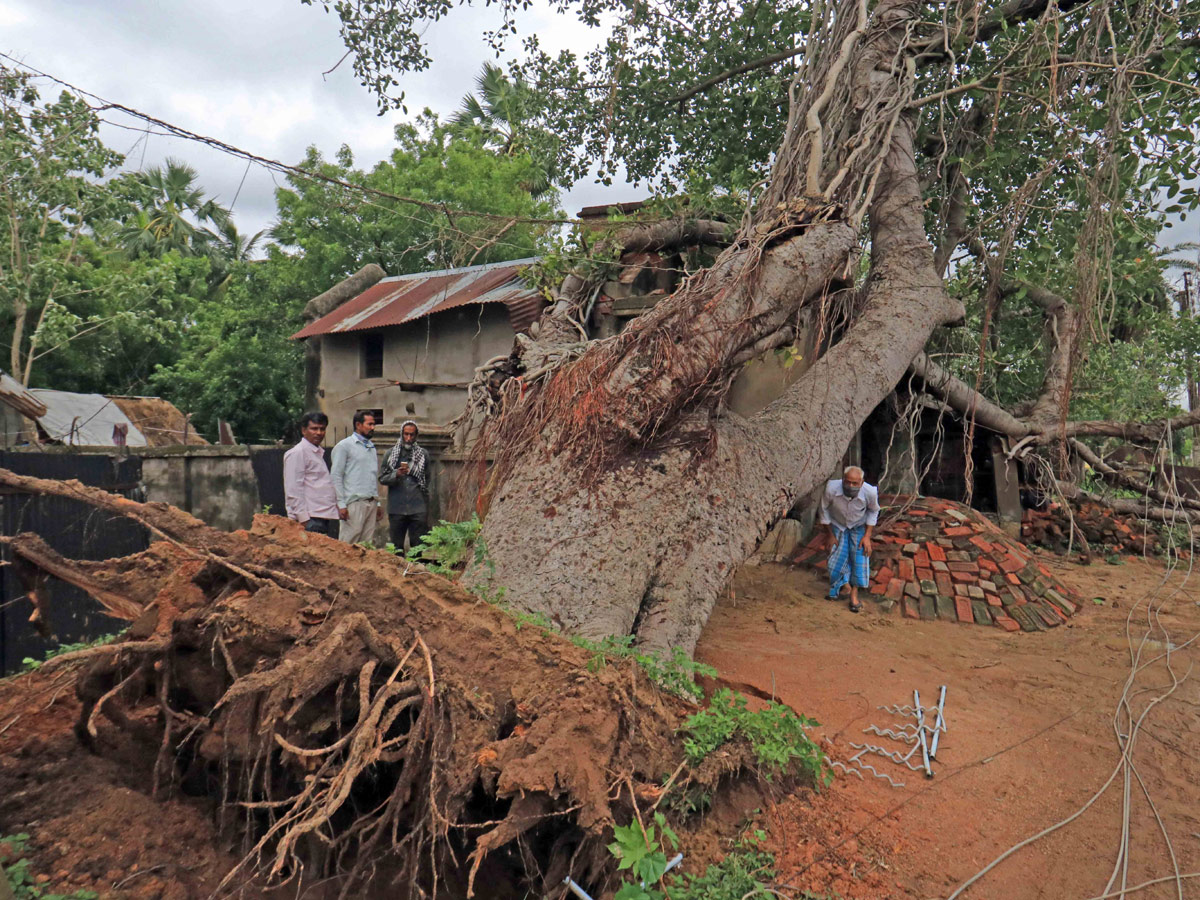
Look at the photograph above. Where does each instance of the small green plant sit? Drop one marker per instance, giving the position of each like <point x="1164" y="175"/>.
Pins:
<point x="537" y="620"/>
<point x="674" y="672"/>
<point x="28" y="664"/>
<point x="266" y="510"/>
<point x="640" y="851"/>
<point x="21" y="881"/>
<point x="746" y="871"/>
<point x="776" y="735"/>
<point x="448" y="546"/>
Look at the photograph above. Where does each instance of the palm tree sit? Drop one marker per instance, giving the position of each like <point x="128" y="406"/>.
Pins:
<point x="172" y="212"/>
<point x="232" y="245"/>
<point x="503" y="112"/>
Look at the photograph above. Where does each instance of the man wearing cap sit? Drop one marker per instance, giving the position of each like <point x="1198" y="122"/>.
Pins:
<point x="850" y="508"/>
<point x="404" y="473"/>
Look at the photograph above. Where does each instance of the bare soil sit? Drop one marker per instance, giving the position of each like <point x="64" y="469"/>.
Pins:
<point x="1030" y="740"/>
<point x="92" y="820"/>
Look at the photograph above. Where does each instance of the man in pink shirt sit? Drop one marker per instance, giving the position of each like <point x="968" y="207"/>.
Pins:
<point x="307" y="487"/>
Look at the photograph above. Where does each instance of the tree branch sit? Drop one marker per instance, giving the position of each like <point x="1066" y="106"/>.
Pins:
<point x="1008" y="14"/>
<point x="964" y="398"/>
<point x="1124" y="479"/>
<point x="1126" y="505"/>
<point x="733" y="73"/>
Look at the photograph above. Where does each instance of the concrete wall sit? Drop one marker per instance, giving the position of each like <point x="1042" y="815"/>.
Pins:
<point x="440" y="351"/>
<point x="215" y="484"/>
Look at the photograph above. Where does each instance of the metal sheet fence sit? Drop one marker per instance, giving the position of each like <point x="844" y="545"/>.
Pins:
<point x="75" y="530"/>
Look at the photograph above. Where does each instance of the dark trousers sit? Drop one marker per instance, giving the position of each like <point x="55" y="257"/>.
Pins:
<point x="413" y="525"/>
<point x="323" y="526"/>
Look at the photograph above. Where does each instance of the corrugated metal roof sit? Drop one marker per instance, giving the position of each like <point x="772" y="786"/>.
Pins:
<point x="405" y="298"/>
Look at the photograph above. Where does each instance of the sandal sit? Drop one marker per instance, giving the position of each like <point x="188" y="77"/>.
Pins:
<point x="856" y="607"/>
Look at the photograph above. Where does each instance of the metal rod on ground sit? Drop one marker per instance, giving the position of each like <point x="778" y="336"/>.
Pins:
<point x="672" y="864"/>
<point x="921" y="734"/>
<point x="576" y="889"/>
<point x="939" y="724"/>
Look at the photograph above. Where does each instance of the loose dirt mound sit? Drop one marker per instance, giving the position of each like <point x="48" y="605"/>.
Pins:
<point x="93" y="825"/>
<point x="357" y="716"/>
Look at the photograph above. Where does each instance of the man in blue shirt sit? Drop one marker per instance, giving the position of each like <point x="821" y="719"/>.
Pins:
<point x="353" y="474"/>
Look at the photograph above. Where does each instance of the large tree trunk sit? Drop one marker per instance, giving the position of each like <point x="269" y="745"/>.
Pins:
<point x="632" y="513"/>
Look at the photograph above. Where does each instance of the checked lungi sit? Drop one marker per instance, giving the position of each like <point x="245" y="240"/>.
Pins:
<point x="847" y="560"/>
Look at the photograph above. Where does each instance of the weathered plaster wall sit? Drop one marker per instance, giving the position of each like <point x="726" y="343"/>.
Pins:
<point x="765" y="378"/>
<point x="438" y="350"/>
<point x="215" y="484"/>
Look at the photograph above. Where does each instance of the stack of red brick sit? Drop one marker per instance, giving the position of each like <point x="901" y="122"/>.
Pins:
<point x="937" y="559"/>
<point x="1097" y="529"/>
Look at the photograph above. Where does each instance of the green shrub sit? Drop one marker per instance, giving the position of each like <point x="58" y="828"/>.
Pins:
<point x="776" y="735"/>
<point x="674" y="672"/>
<point x="747" y="870"/>
<point x="448" y="546"/>
<point x="28" y="664"/>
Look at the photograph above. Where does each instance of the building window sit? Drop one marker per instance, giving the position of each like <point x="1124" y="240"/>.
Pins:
<point x="372" y="355"/>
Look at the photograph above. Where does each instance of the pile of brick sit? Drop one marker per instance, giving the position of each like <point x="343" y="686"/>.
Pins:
<point x="937" y="559"/>
<point x="1104" y="532"/>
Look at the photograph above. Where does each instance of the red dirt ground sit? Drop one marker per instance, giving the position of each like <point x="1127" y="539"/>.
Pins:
<point x="1030" y="740"/>
<point x="92" y="821"/>
<point x="1031" y="737"/>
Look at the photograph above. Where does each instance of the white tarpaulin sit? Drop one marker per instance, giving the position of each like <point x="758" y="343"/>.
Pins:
<point x="84" y="419"/>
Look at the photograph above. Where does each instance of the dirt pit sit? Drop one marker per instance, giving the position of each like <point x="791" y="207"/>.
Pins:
<point x="92" y="822"/>
<point x="1030" y="741"/>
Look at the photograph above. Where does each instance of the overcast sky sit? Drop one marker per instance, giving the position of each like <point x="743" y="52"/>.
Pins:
<point x="249" y="73"/>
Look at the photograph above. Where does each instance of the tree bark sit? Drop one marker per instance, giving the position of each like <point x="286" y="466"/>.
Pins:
<point x="648" y="545"/>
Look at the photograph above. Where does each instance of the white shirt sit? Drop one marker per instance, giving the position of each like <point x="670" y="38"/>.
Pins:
<point x="849" y="512"/>
<point x="307" y="487"/>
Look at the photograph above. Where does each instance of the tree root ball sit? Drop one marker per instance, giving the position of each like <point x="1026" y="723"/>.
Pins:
<point x="358" y="717"/>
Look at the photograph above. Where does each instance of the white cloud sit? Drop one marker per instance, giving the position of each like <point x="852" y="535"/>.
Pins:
<point x="250" y="74"/>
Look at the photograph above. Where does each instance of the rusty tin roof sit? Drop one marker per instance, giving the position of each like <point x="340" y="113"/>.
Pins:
<point x="401" y="299"/>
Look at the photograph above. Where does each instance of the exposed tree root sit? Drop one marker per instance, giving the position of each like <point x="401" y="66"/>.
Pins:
<point x="380" y="722"/>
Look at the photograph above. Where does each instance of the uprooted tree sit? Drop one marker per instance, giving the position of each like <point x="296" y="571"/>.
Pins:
<point x="348" y="709"/>
<point x="624" y="495"/>
<point x="360" y="719"/>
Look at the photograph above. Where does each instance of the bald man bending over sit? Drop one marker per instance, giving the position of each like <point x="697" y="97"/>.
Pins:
<point x="850" y="508"/>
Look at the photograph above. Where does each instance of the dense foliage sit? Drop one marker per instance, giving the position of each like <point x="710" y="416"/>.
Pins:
<point x="1053" y="146"/>
<point x="139" y="282"/>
